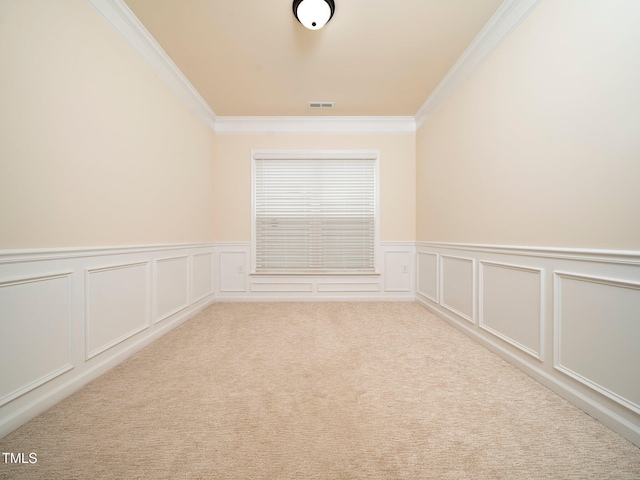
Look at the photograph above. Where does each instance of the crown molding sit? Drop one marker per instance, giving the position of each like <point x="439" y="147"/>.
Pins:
<point x="510" y="14"/>
<point x="64" y="253"/>
<point x="315" y="124"/>
<point x="121" y="19"/>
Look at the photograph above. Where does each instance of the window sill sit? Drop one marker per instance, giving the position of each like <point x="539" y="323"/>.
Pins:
<point x="315" y="274"/>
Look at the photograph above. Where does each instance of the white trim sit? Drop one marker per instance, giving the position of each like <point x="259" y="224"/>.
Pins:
<point x="540" y="271"/>
<point x="311" y="154"/>
<point x="279" y="297"/>
<point x="281" y="287"/>
<point x="306" y="274"/>
<point x="252" y="243"/>
<point x="35" y="384"/>
<point x="626" y="257"/>
<point x="350" y="287"/>
<point x="40" y="254"/>
<point x="119" y="266"/>
<point x="122" y="20"/>
<point x="408" y="246"/>
<point x="310" y="124"/>
<point x="501" y="24"/>
<point x="34" y="279"/>
<point x="614" y="282"/>
<point x="558" y="276"/>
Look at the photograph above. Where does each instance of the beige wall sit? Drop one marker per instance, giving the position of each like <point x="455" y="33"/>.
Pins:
<point x="232" y="178"/>
<point x="542" y="145"/>
<point x="94" y="148"/>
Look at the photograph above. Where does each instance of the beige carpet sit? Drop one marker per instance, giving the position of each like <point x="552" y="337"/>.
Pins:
<point x="318" y="391"/>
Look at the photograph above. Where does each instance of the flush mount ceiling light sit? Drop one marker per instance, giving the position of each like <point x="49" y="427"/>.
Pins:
<point x="313" y="14"/>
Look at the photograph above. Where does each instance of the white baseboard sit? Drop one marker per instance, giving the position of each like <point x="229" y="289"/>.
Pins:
<point x="566" y="317"/>
<point x="346" y="298"/>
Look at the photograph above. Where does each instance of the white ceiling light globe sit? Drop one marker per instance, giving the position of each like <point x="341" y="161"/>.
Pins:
<point x="313" y="14"/>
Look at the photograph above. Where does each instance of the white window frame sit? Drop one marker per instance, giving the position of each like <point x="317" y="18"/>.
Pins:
<point x="317" y="154"/>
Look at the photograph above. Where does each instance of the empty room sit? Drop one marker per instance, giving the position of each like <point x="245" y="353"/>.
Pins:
<point x="330" y="239"/>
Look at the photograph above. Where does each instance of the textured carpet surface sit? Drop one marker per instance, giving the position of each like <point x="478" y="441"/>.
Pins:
<point x="317" y="391"/>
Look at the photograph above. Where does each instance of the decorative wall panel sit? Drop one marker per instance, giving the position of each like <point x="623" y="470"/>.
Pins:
<point x="457" y="285"/>
<point x="202" y="276"/>
<point x="35" y="328"/>
<point x="117" y="305"/>
<point x="598" y="334"/>
<point x="427" y="268"/>
<point x="171" y="286"/>
<point x="511" y="305"/>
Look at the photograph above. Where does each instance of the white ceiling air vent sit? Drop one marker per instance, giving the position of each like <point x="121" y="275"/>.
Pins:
<point x="321" y="104"/>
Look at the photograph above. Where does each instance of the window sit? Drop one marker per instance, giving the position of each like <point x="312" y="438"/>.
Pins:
<point x="314" y="212"/>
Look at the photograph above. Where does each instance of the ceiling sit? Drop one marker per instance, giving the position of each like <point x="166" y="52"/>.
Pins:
<point x="374" y="58"/>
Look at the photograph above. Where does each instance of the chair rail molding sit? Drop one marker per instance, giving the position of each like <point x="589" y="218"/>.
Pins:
<point x="624" y="257"/>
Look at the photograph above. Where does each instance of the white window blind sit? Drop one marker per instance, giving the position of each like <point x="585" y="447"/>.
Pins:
<point x="314" y="215"/>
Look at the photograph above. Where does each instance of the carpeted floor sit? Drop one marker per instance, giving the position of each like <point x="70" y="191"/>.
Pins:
<point x="317" y="391"/>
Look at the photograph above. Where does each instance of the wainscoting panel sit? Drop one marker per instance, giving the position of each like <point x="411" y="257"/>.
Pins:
<point x="585" y="304"/>
<point x="233" y="268"/>
<point x="349" y="287"/>
<point x="427" y="268"/>
<point x="395" y="280"/>
<point x="69" y="315"/>
<point x="511" y="305"/>
<point x="397" y="276"/>
<point x="35" y="329"/>
<point x="202" y="276"/>
<point x="457" y="286"/>
<point x="598" y="335"/>
<point x="281" y="287"/>
<point x="569" y="318"/>
<point x="171" y="286"/>
<point x="117" y="305"/>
